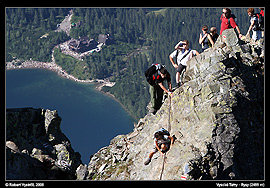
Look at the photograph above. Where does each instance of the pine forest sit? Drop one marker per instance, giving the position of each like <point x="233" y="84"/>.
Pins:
<point x="141" y="36"/>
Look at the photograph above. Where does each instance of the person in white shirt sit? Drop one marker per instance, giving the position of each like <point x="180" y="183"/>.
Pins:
<point x="256" y="33"/>
<point x="182" y="53"/>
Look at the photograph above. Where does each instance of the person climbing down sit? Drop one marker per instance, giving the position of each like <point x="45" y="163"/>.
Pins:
<point x="182" y="53"/>
<point x="155" y="75"/>
<point x="163" y="142"/>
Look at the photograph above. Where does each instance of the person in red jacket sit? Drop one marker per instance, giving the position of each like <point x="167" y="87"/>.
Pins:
<point x="227" y="21"/>
<point x="262" y="13"/>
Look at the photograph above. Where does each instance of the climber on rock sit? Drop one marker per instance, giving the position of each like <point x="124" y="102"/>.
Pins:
<point x="182" y="53"/>
<point x="155" y="75"/>
<point x="163" y="142"/>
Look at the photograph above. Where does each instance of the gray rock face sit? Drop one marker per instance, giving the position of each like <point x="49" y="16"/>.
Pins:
<point x="217" y="117"/>
<point x="36" y="148"/>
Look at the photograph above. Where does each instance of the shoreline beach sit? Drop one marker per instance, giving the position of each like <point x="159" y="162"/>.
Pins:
<point x="30" y="64"/>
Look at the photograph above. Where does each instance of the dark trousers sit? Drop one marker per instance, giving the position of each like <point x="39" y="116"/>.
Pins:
<point x="156" y="96"/>
<point x="181" y="68"/>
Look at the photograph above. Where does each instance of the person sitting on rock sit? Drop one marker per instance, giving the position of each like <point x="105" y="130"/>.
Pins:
<point x="162" y="144"/>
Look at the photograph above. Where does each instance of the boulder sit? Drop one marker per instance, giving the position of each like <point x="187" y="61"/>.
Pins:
<point x="36" y="147"/>
<point x="230" y="37"/>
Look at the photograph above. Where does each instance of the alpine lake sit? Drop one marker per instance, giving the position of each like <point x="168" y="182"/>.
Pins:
<point x="90" y="119"/>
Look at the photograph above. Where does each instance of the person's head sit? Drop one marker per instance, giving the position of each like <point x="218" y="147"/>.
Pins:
<point x="204" y="29"/>
<point x="250" y="11"/>
<point x="158" y="135"/>
<point x="163" y="72"/>
<point x="185" y="44"/>
<point x="227" y="12"/>
<point x="213" y="30"/>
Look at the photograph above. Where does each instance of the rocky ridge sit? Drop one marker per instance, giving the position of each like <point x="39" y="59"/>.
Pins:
<point x="36" y="148"/>
<point x="217" y="117"/>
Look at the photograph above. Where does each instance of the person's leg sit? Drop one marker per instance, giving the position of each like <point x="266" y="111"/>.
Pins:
<point x="182" y="75"/>
<point x="178" y="74"/>
<point x="159" y="97"/>
<point x="150" y="156"/>
<point x="177" y="78"/>
<point x="152" y="92"/>
<point x="180" y="70"/>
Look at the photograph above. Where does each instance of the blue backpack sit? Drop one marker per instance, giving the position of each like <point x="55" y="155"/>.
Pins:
<point x="164" y="131"/>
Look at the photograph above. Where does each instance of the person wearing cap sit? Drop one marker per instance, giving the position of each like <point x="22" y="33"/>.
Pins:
<point x="156" y="90"/>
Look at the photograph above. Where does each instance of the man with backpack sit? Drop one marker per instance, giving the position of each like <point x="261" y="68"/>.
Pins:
<point x="163" y="142"/>
<point x="255" y="25"/>
<point x="182" y="54"/>
<point x="228" y="21"/>
<point x="155" y="75"/>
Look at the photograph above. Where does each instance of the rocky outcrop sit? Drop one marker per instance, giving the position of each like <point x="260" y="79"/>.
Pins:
<point x="36" y="148"/>
<point x="217" y="117"/>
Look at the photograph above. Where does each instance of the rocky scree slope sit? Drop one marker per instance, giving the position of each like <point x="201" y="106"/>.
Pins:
<point x="217" y="117"/>
<point x="36" y="148"/>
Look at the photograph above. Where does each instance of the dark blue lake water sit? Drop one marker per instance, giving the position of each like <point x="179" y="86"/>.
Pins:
<point x="90" y="119"/>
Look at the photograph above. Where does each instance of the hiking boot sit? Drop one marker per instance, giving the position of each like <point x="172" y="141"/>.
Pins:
<point x="165" y="96"/>
<point x="147" y="161"/>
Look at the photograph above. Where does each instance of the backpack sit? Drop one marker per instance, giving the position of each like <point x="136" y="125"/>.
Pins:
<point x="177" y="52"/>
<point x="151" y="71"/>
<point x="232" y="16"/>
<point x="164" y="131"/>
<point x="260" y="24"/>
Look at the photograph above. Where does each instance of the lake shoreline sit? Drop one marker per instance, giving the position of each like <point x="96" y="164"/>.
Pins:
<point x="30" y="64"/>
